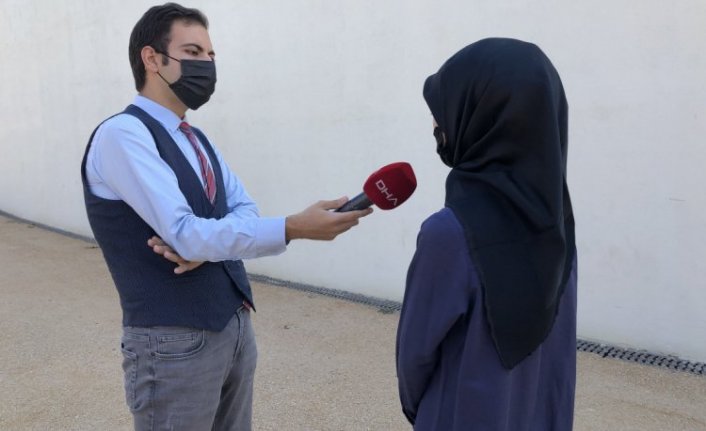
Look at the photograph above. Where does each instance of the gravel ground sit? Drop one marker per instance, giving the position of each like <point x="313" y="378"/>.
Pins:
<point x="324" y="363"/>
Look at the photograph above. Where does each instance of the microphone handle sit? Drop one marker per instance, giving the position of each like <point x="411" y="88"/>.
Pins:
<point x="359" y="202"/>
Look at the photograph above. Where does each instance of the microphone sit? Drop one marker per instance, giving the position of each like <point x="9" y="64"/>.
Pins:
<point x="387" y="188"/>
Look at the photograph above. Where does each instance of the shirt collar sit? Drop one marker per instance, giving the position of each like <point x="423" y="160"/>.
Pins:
<point x="165" y="116"/>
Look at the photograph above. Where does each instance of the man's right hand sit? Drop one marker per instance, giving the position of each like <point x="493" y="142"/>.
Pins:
<point x="318" y="222"/>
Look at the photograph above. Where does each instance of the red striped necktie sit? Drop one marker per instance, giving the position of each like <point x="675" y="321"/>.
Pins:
<point x="206" y="171"/>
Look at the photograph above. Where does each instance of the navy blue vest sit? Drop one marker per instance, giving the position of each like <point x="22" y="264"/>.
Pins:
<point x="150" y="293"/>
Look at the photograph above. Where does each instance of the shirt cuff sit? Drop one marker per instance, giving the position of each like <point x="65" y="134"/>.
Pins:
<point x="270" y="236"/>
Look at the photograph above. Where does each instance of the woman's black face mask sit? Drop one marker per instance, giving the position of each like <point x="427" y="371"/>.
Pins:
<point x="441" y="148"/>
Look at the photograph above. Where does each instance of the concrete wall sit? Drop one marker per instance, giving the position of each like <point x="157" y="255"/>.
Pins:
<point x="315" y="95"/>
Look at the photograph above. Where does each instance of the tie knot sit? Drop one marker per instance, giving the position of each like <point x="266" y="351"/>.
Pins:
<point x="184" y="127"/>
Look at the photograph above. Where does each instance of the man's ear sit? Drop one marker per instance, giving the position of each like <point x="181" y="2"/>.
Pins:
<point x="150" y="59"/>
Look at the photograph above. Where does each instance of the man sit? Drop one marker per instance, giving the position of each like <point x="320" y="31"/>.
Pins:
<point x="155" y="188"/>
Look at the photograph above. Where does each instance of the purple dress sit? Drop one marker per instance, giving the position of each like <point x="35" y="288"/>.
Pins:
<point x="450" y="375"/>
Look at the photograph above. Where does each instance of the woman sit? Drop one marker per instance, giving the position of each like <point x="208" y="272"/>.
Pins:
<point x="487" y="334"/>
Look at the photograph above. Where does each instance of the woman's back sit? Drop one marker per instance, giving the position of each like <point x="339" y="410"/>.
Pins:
<point x="450" y="374"/>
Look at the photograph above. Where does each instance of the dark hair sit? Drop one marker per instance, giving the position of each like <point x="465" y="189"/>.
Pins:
<point x="153" y="30"/>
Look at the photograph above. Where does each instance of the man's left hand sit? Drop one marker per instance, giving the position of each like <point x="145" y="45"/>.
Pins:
<point x="161" y="248"/>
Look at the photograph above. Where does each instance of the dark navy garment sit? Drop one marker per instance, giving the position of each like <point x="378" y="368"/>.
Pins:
<point x="151" y="294"/>
<point x="450" y="374"/>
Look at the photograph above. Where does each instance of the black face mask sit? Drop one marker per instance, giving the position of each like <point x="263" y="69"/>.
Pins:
<point x="441" y="148"/>
<point x="197" y="82"/>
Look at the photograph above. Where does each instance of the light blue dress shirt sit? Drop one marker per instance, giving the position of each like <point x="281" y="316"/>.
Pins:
<point x="123" y="164"/>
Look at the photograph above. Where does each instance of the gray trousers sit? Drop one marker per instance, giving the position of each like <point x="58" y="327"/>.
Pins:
<point x="186" y="379"/>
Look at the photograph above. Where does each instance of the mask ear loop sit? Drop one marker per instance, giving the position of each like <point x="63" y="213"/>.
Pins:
<point x="160" y="75"/>
<point x="166" y="55"/>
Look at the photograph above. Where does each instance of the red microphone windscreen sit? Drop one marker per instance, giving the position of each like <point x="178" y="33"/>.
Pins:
<point x="391" y="185"/>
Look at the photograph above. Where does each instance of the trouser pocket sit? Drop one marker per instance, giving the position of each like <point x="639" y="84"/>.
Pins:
<point x="179" y="344"/>
<point x="136" y="369"/>
<point x="130" y="375"/>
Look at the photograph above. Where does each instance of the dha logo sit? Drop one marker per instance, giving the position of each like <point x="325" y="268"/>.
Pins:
<point x="384" y="190"/>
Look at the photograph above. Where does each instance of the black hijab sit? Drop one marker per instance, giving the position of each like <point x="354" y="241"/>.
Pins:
<point x="502" y="110"/>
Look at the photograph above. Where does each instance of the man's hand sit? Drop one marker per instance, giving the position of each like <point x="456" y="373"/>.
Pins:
<point x="159" y="247"/>
<point x="317" y="222"/>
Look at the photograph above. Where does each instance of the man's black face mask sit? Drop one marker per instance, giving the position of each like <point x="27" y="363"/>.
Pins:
<point x="197" y="82"/>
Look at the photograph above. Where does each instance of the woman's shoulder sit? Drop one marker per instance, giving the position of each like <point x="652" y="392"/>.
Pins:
<point x="443" y="221"/>
<point x="442" y="229"/>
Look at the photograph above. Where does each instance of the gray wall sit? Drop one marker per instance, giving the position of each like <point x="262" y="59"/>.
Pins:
<point x="315" y="95"/>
